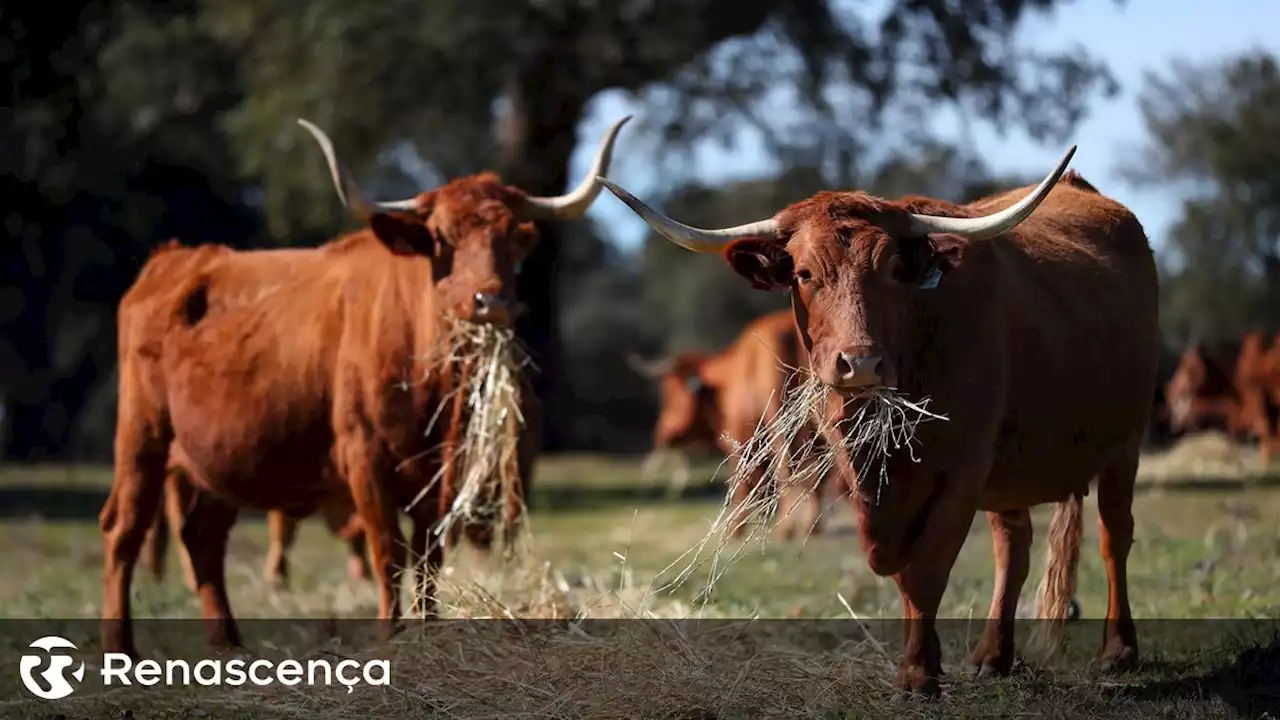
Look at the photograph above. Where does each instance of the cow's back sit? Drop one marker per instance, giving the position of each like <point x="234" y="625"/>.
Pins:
<point x="1077" y="303"/>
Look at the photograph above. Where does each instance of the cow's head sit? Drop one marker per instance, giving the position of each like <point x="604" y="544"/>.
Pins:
<point x="855" y="266"/>
<point x="687" y="414"/>
<point x="860" y="272"/>
<point x="1199" y="377"/>
<point x="476" y="230"/>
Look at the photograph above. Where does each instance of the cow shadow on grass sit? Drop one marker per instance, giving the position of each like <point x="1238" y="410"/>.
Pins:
<point x="1249" y="684"/>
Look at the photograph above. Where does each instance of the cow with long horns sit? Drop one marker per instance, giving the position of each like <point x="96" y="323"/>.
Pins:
<point x="326" y="380"/>
<point x="720" y="399"/>
<point x="1030" y="320"/>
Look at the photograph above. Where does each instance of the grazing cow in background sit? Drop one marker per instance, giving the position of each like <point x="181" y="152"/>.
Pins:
<point x="719" y="399"/>
<point x="1034" y="332"/>
<point x="278" y="379"/>
<point x="1228" y="387"/>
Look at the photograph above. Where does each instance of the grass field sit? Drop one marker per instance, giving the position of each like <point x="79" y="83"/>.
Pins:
<point x="1208" y="546"/>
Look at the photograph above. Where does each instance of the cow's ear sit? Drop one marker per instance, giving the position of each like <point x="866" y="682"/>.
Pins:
<point x="403" y="233"/>
<point x="764" y="262"/>
<point x="922" y="261"/>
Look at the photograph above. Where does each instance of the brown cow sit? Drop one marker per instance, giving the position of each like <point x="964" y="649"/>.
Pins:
<point x="1035" y="333"/>
<point x="276" y="379"/>
<point x="721" y="398"/>
<point x="1229" y="387"/>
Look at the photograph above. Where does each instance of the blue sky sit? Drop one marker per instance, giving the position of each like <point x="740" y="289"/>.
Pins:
<point x="1139" y="36"/>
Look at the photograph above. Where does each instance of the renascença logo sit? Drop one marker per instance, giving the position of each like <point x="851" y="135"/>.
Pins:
<point x="120" y="669"/>
<point x="55" y="675"/>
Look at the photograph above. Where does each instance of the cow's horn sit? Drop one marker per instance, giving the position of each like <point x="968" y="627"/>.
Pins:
<point x="649" y="368"/>
<point x="348" y="192"/>
<point x="574" y="205"/>
<point x="687" y="236"/>
<point x="987" y="226"/>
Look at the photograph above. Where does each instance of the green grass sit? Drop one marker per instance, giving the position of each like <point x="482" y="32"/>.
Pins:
<point x="600" y="542"/>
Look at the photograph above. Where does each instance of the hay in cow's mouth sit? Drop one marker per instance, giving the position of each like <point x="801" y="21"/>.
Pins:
<point x="486" y="390"/>
<point x="884" y="422"/>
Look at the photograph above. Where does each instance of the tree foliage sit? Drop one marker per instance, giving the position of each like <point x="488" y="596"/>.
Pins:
<point x="1214" y="138"/>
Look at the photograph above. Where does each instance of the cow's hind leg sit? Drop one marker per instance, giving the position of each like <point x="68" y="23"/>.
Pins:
<point x="1011" y="534"/>
<point x="283" y="531"/>
<point x="206" y="526"/>
<point x="141" y="451"/>
<point x="1115" y="525"/>
<point x="341" y="518"/>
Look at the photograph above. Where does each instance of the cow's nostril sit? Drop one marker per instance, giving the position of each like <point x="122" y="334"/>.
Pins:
<point x="844" y="365"/>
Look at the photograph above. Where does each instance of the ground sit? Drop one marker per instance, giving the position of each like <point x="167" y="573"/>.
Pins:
<point x="1207" y="547"/>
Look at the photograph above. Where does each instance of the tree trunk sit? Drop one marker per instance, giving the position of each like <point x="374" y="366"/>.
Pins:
<point x="537" y="139"/>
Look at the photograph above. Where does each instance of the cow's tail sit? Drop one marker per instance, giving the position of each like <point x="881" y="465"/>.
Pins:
<point x="1058" y="586"/>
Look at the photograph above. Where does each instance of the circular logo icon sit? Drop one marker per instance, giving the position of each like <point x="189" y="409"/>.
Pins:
<point x="55" y="685"/>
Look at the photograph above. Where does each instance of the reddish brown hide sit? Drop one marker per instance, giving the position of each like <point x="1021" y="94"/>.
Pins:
<point x="280" y="379"/>
<point x="1233" y="387"/>
<point x="720" y="399"/>
<point x="338" y="513"/>
<point x="1030" y="320"/>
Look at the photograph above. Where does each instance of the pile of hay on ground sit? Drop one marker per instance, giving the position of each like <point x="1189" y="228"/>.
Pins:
<point x="1202" y="456"/>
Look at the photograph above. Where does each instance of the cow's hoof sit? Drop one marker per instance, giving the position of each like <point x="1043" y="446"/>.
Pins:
<point x="987" y="661"/>
<point x="914" y="681"/>
<point x="1119" y="658"/>
<point x="1073" y="611"/>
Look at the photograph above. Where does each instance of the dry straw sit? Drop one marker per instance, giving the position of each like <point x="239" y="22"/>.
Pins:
<point x="790" y="443"/>
<point x="483" y="376"/>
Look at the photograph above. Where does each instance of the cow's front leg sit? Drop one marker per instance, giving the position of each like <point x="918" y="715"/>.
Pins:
<point x="283" y="532"/>
<point x="206" y="526"/>
<point x="922" y="583"/>
<point x="366" y="469"/>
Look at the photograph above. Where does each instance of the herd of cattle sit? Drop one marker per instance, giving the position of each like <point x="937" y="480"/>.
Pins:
<point x="274" y="380"/>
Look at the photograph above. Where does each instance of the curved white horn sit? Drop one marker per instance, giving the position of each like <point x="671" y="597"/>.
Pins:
<point x="649" y="368"/>
<point x="987" y="226"/>
<point x="348" y="192"/>
<point x="687" y="236"/>
<point x="575" y="204"/>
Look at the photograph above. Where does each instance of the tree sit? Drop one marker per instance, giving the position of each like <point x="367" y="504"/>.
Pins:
<point x="110" y="147"/>
<point x="1215" y="139"/>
